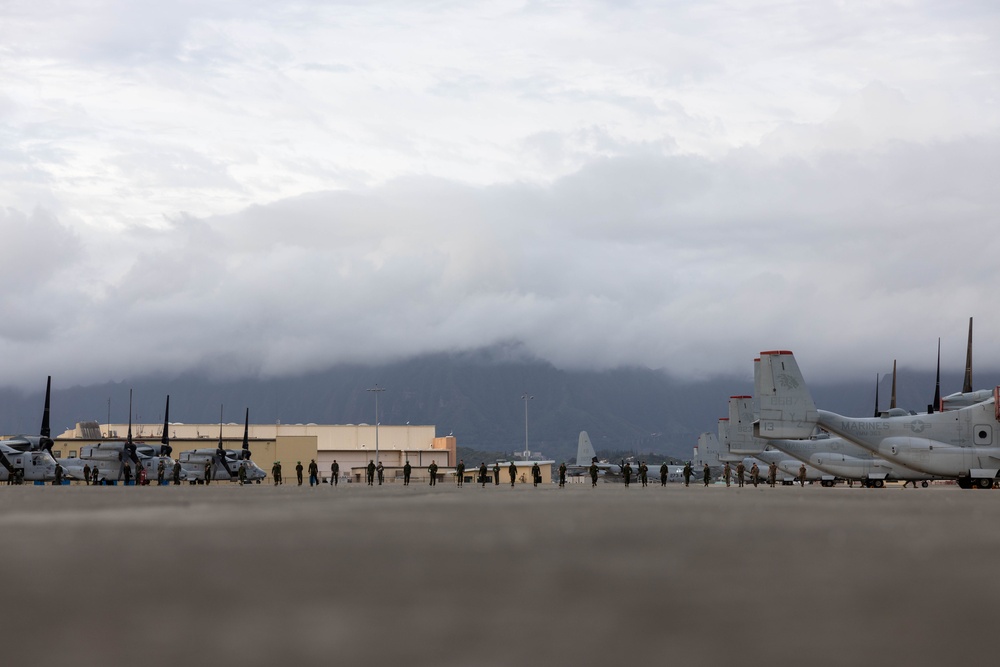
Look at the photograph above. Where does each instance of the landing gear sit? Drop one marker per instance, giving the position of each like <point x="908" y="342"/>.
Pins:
<point x="964" y="483"/>
<point x="985" y="483"/>
<point x="924" y="483"/>
<point x="827" y="483"/>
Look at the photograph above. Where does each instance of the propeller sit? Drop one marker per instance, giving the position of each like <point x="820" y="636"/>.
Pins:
<point x="892" y="400"/>
<point x="246" y="437"/>
<point x="876" y="394"/>
<point x="45" y="441"/>
<point x="937" y="389"/>
<point x="967" y="386"/>
<point x="165" y="448"/>
<point x="220" y="453"/>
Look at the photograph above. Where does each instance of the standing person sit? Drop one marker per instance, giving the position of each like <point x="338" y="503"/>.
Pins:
<point x="177" y="472"/>
<point x="740" y="469"/>
<point x="706" y="474"/>
<point x="627" y="474"/>
<point x="334" y="472"/>
<point x="161" y="468"/>
<point x="127" y="473"/>
<point x="407" y="469"/>
<point x="380" y="472"/>
<point x="802" y="475"/>
<point x="772" y="473"/>
<point x="208" y="472"/>
<point x="370" y="472"/>
<point x="298" y="471"/>
<point x="242" y="473"/>
<point x="562" y="474"/>
<point x="141" y="476"/>
<point x="594" y="471"/>
<point x="86" y="474"/>
<point x="664" y="471"/>
<point x="483" y="473"/>
<point x="754" y="474"/>
<point x="59" y="474"/>
<point x="432" y="470"/>
<point x="460" y="472"/>
<point x="276" y="472"/>
<point x="536" y="474"/>
<point x="512" y="471"/>
<point x="687" y="473"/>
<point x="643" y="473"/>
<point x="496" y="473"/>
<point x="725" y="473"/>
<point x="313" y="473"/>
<point x="95" y="475"/>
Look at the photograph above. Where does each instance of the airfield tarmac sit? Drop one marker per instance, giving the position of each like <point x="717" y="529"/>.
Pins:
<point x="497" y="576"/>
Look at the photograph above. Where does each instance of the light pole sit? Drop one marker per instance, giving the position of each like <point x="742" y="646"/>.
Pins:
<point x="526" y="397"/>
<point x="377" y="390"/>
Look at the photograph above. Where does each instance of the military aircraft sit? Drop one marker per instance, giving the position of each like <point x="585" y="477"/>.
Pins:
<point x="962" y="444"/>
<point x="42" y="441"/>
<point x="224" y="464"/>
<point x="111" y="457"/>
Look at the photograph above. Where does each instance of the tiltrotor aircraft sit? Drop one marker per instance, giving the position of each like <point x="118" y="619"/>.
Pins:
<point x="224" y="464"/>
<point x="962" y="444"/>
<point x="30" y="455"/>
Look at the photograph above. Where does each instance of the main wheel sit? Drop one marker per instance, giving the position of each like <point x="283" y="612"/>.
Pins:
<point x="985" y="483"/>
<point x="924" y="484"/>
<point x="879" y="483"/>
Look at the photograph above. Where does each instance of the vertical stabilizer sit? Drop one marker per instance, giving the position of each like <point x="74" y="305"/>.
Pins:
<point x="741" y="440"/>
<point x="585" y="453"/>
<point x="708" y="450"/>
<point x="786" y="406"/>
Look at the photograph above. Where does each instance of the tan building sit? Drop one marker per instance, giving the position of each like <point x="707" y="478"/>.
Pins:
<point x="351" y="445"/>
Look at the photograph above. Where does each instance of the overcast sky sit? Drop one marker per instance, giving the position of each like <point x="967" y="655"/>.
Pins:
<point x="258" y="188"/>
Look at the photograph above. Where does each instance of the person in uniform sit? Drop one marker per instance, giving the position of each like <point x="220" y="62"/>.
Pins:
<point x="370" y="472"/>
<point x="772" y="473"/>
<point x="127" y="473"/>
<point x="432" y="470"/>
<point x="643" y="473"/>
<point x="407" y="469"/>
<point x="334" y="472"/>
<point x="95" y="475"/>
<point x="59" y="474"/>
<point x="142" y="475"/>
<point x="740" y="470"/>
<point x="562" y="474"/>
<point x="380" y="473"/>
<point x="276" y="472"/>
<point x="594" y="471"/>
<point x="460" y="472"/>
<point x="754" y="474"/>
<point x="208" y="472"/>
<point x="536" y="474"/>
<point x="313" y="473"/>
<point x="664" y="471"/>
<point x="512" y="471"/>
<point x="177" y="472"/>
<point x="161" y="468"/>
<point x="496" y="474"/>
<point x="86" y="474"/>
<point x="687" y="473"/>
<point x="298" y="471"/>
<point x="243" y="473"/>
<point x="726" y="473"/>
<point x="802" y="475"/>
<point x="627" y="474"/>
<point x="706" y="474"/>
<point x="483" y="473"/>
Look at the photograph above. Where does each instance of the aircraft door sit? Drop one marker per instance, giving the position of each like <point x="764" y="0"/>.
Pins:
<point x="982" y="434"/>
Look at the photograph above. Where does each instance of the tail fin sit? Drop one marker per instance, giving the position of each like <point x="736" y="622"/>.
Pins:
<point x="708" y="450"/>
<point x="741" y="440"/>
<point x="786" y="406"/>
<point x="585" y="453"/>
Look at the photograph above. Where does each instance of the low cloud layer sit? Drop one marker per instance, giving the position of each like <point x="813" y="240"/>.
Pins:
<point x="260" y="195"/>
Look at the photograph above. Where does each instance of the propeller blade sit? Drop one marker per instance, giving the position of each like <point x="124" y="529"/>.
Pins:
<point x="967" y="385"/>
<point x="876" y="394"/>
<point x="246" y="437"/>
<point x="892" y="400"/>
<point x="165" y="448"/>
<point x="937" y="388"/>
